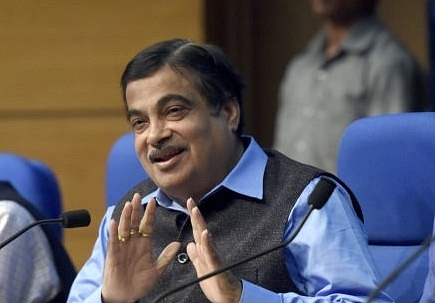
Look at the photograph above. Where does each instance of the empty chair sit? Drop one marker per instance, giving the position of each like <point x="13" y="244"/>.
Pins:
<point x="389" y="163"/>
<point x="123" y="169"/>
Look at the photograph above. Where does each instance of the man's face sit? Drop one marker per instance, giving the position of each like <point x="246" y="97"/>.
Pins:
<point x="185" y="146"/>
<point x="341" y="9"/>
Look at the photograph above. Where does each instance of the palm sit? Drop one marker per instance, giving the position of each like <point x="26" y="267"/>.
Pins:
<point x="130" y="270"/>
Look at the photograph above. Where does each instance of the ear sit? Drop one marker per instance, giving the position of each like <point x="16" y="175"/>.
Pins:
<point x="232" y="111"/>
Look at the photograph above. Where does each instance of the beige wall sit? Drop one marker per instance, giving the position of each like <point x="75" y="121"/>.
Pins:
<point x="408" y="21"/>
<point x="60" y="100"/>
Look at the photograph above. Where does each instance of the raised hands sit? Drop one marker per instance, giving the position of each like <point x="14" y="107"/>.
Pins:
<point x="130" y="271"/>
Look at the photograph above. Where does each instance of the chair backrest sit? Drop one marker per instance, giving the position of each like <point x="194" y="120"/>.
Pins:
<point x="123" y="169"/>
<point x="36" y="182"/>
<point x="389" y="163"/>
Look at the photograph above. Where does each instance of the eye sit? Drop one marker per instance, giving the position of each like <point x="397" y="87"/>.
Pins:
<point x="138" y="125"/>
<point x="176" y="112"/>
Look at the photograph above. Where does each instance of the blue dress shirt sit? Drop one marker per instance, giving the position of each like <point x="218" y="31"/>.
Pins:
<point x="328" y="260"/>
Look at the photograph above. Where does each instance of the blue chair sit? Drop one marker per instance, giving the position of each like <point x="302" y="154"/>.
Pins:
<point x="123" y="169"/>
<point x="36" y="182"/>
<point x="389" y="163"/>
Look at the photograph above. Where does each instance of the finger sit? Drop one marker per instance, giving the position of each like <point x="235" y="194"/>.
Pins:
<point x="198" y="222"/>
<point x="198" y="219"/>
<point x="204" y="257"/>
<point x="196" y="228"/>
<point x="147" y="222"/>
<point x="113" y="236"/>
<point x="192" y="252"/>
<point x="190" y="204"/>
<point x="167" y="255"/>
<point x="124" y="221"/>
<point x="136" y="212"/>
<point x="207" y="247"/>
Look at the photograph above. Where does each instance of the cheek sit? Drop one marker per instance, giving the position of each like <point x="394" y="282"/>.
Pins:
<point x="196" y="133"/>
<point x="140" y="148"/>
<point x="209" y="145"/>
<point x="202" y="142"/>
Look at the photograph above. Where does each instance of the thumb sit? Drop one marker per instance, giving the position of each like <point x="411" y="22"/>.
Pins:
<point x="167" y="255"/>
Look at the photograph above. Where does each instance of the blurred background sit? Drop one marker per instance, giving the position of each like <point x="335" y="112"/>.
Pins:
<point x="61" y="62"/>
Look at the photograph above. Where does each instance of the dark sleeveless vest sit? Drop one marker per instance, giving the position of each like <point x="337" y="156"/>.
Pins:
<point x="240" y="226"/>
<point x="64" y="266"/>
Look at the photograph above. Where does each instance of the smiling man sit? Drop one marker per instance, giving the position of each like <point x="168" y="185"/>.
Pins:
<point x="214" y="196"/>
<point x="179" y="137"/>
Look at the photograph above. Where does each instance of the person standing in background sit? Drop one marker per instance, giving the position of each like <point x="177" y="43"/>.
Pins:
<point x="354" y="67"/>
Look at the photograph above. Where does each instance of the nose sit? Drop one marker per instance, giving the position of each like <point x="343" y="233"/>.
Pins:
<point x="158" y="132"/>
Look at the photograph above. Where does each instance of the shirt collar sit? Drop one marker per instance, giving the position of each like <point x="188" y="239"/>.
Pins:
<point x="359" y="39"/>
<point x="246" y="178"/>
<point x="362" y="35"/>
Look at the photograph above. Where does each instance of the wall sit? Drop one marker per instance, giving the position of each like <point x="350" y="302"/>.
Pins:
<point x="408" y="21"/>
<point x="60" y="99"/>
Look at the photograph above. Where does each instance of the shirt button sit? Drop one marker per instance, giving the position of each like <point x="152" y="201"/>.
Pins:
<point x="182" y="258"/>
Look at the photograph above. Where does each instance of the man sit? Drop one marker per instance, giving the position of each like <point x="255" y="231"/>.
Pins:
<point x="354" y="67"/>
<point x="215" y="197"/>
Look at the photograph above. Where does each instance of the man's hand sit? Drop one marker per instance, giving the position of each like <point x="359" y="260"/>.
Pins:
<point x="130" y="271"/>
<point x="222" y="288"/>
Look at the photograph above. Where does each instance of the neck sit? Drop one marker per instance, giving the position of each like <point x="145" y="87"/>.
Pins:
<point x="335" y="35"/>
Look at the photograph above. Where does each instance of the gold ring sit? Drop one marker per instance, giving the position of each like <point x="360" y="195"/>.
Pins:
<point x="144" y="234"/>
<point x="123" y="239"/>
<point x="134" y="231"/>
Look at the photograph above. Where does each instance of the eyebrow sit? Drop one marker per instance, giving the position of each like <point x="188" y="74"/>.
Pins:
<point x="162" y="102"/>
<point x="166" y="99"/>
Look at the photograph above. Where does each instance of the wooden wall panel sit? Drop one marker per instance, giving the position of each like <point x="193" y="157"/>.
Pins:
<point x="408" y="20"/>
<point x="69" y="54"/>
<point x="60" y="99"/>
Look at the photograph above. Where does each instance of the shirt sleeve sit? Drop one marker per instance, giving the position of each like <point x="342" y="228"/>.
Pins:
<point x="28" y="273"/>
<point x="329" y="259"/>
<point x="88" y="283"/>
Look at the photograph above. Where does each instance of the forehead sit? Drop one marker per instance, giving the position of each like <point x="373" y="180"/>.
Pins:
<point x="165" y="82"/>
<point x="166" y="76"/>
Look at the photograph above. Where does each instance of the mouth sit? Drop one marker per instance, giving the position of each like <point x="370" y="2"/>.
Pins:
<point x="165" y="154"/>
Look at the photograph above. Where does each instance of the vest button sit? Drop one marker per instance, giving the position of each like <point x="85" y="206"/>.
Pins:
<point x="182" y="258"/>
